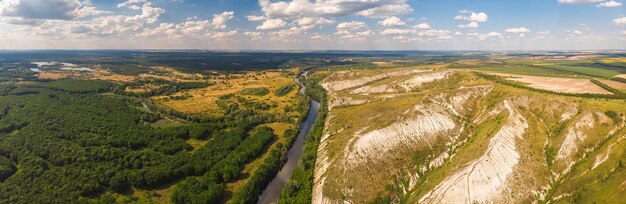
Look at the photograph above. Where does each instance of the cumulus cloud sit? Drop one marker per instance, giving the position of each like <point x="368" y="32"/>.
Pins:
<point x="254" y="35"/>
<point x="422" y="26"/>
<point x="484" y="36"/>
<point x="272" y="24"/>
<point x="517" y="30"/>
<point x="395" y="31"/>
<point x="358" y="36"/>
<point x="308" y="21"/>
<point x="609" y="4"/>
<point x="219" y="20"/>
<point x="353" y="30"/>
<point x="469" y="25"/>
<point x="199" y="29"/>
<point x="620" y="21"/>
<point x="472" y="17"/>
<point x="256" y="18"/>
<point x="422" y="32"/>
<point x="352" y="25"/>
<point x="391" y="22"/>
<point x="48" y="9"/>
<point x="336" y="8"/>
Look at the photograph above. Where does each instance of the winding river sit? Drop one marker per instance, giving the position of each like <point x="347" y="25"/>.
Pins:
<point x="272" y="192"/>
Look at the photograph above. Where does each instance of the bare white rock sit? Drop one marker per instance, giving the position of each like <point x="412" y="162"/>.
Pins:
<point x="485" y="178"/>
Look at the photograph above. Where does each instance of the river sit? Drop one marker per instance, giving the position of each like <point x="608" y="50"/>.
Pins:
<point x="272" y="192"/>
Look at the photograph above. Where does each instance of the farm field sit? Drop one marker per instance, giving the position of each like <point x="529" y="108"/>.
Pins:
<point x="527" y="70"/>
<point x="563" y="85"/>
<point x="587" y="71"/>
<point x="615" y="84"/>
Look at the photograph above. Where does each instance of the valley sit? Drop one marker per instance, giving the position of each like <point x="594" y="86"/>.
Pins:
<point x="364" y="128"/>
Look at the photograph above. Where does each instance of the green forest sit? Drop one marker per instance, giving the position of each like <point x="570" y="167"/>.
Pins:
<point x="66" y="142"/>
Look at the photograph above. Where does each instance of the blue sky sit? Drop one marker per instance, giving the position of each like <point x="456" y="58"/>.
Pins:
<point x="313" y="24"/>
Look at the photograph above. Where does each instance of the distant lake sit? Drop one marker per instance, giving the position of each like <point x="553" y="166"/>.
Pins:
<point x="82" y="69"/>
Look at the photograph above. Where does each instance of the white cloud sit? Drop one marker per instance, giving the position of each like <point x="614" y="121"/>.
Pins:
<point x="391" y="22"/>
<point x="609" y="4"/>
<point x="359" y="36"/>
<point x="319" y="37"/>
<point x="254" y="35"/>
<point x="256" y="18"/>
<point x="517" y="30"/>
<point x="396" y="7"/>
<point x="481" y="36"/>
<point x="395" y="31"/>
<point x="473" y="17"/>
<point x="620" y="21"/>
<point x="272" y="24"/>
<point x="307" y="21"/>
<point x="352" y="25"/>
<point x="219" y="20"/>
<point x="192" y="28"/>
<point x="335" y="8"/>
<point x="469" y="25"/>
<point x="422" y="26"/>
<point x="48" y="9"/>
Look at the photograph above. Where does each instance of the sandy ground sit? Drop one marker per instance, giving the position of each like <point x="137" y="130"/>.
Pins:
<point x="621" y="76"/>
<point x="615" y="84"/>
<point x="564" y="85"/>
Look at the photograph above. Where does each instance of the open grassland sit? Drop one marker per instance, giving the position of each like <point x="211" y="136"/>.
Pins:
<point x="587" y="71"/>
<point x="249" y="90"/>
<point x="526" y="70"/>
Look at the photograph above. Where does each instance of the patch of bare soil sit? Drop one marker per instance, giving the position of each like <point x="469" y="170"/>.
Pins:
<point x="615" y="84"/>
<point x="564" y="85"/>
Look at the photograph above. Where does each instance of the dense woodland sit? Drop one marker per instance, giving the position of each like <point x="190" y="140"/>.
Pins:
<point x="65" y="142"/>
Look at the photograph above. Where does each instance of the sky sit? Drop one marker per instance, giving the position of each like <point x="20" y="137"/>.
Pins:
<point x="313" y="24"/>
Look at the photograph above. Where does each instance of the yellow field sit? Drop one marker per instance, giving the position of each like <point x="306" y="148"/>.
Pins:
<point x="614" y="60"/>
<point x="204" y="100"/>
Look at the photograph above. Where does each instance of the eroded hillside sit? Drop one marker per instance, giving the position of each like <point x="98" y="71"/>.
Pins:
<point x="431" y="135"/>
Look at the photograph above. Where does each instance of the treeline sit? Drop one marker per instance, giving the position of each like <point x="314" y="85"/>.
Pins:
<point x="256" y="91"/>
<point x="284" y="90"/>
<point x="210" y="188"/>
<point x="607" y="87"/>
<point x="299" y="189"/>
<point x="620" y="79"/>
<point x="166" y="88"/>
<point x="75" y="86"/>
<point x="504" y="81"/>
<point x="264" y="174"/>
